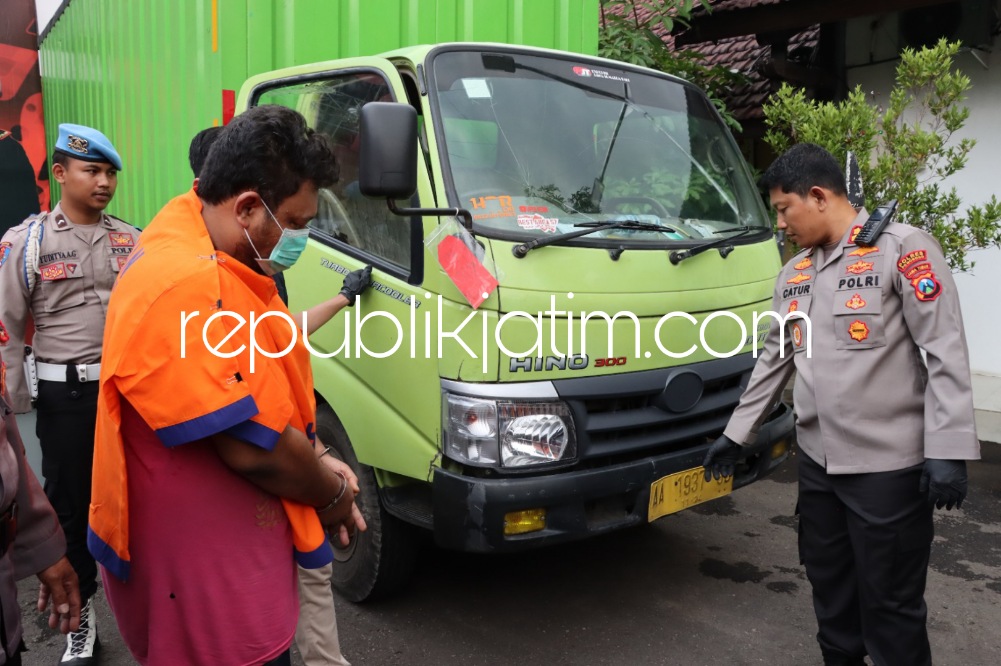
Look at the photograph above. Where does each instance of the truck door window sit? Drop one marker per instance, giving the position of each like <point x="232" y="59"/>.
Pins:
<point x="332" y="106"/>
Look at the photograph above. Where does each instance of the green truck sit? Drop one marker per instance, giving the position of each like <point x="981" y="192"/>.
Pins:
<point x="630" y="261"/>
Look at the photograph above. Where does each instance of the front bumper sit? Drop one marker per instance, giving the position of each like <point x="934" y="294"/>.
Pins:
<point x="469" y="511"/>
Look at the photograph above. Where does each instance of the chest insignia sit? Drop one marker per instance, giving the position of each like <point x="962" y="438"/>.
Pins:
<point x="859" y="267"/>
<point x="855" y="302"/>
<point x="858" y="330"/>
<point x="54" y="271"/>
<point x="799" y="277"/>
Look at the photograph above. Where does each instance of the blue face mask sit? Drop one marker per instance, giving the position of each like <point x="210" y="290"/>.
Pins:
<point x="287" y="250"/>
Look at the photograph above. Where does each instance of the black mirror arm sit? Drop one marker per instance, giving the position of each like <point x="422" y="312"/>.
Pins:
<point x="461" y="213"/>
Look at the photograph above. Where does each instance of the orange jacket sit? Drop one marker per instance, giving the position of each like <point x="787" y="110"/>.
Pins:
<point x="185" y="389"/>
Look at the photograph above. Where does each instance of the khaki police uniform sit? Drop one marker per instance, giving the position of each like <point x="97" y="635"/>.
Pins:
<point x="63" y="280"/>
<point x="30" y="537"/>
<point x="869" y="411"/>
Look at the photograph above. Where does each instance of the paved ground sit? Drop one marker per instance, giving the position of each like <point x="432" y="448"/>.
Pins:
<point x="719" y="584"/>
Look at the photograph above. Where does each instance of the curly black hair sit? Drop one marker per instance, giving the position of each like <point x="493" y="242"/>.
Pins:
<point x="270" y="150"/>
<point x="803" y="166"/>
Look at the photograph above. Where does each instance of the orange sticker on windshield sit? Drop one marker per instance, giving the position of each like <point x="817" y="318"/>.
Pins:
<point x="491" y="204"/>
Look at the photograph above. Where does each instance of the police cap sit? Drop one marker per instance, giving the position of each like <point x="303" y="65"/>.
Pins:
<point x="86" y="143"/>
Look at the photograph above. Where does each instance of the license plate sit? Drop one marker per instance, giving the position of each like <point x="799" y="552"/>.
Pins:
<point x="675" y="492"/>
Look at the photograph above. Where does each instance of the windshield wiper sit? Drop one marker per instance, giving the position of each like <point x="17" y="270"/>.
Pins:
<point x="724" y="244"/>
<point x="587" y="228"/>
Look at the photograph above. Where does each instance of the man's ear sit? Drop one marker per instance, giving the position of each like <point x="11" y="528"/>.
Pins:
<point x="821" y="196"/>
<point x="59" y="173"/>
<point x="245" y="206"/>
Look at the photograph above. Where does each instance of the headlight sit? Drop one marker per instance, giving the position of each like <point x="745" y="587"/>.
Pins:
<point x="486" y="432"/>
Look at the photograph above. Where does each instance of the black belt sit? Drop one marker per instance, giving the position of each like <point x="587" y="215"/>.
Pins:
<point x="8" y="527"/>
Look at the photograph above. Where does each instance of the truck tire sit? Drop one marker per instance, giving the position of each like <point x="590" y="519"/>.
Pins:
<point x="381" y="559"/>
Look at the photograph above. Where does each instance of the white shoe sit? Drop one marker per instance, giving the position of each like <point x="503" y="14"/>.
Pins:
<point x="81" y="645"/>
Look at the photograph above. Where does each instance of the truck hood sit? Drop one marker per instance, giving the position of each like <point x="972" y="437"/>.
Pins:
<point x="608" y="315"/>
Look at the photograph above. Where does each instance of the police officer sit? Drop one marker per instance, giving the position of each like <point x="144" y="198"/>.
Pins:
<point x="884" y="434"/>
<point x="59" y="267"/>
<point x="30" y="541"/>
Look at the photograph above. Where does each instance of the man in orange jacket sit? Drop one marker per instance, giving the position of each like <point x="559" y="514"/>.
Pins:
<point x="207" y="472"/>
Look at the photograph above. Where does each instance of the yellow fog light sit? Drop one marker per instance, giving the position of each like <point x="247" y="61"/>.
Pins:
<point x="778" y="450"/>
<point x="520" y="522"/>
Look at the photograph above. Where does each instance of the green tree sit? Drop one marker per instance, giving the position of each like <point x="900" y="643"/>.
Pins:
<point x="624" y="36"/>
<point x="906" y="151"/>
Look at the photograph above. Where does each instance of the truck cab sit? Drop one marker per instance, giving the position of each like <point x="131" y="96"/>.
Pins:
<point x="633" y="260"/>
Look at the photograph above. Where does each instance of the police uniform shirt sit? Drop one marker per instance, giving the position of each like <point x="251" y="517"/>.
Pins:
<point x="865" y="400"/>
<point x="76" y="268"/>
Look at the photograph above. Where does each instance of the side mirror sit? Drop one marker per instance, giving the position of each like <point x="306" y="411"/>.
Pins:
<point x="387" y="164"/>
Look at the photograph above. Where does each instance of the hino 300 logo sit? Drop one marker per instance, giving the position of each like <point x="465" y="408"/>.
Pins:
<point x="539" y="363"/>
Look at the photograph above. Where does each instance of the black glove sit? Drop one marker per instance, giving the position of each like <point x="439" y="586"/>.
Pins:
<point x="722" y="458"/>
<point x="355" y="283"/>
<point x="945" y="482"/>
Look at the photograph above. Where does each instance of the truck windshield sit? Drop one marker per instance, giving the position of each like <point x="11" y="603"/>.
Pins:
<point x="537" y="144"/>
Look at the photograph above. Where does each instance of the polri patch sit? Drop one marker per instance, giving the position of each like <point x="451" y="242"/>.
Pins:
<point x="858" y="330"/>
<point x="793" y="306"/>
<point x="4" y="336"/>
<point x="4" y="252"/>
<point x="797" y="335"/>
<point x="121" y="262"/>
<point x="917" y="270"/>
<point x="910" y="259"/>
<point x="927" y="287"/>
<point x="54" y="271"/>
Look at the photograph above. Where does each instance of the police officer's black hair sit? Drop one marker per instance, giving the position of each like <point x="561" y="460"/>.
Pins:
<point x="269" y="150"/>
<point x="59" y="157"/>
<point x="803" y="166"/>
<point x="199" y="148"/>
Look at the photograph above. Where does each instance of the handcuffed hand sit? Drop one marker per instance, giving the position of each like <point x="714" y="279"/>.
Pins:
<point x="355" y="283"/>
<point x="722" y="458"/>
<point x="347" y="525"/>
<point x="945" y="482"/>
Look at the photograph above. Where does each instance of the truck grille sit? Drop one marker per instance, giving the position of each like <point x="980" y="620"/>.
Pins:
<point x="636" y="414"/>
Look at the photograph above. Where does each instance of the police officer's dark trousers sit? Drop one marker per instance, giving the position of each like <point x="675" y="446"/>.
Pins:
<point x="67" y="416"/>
<point x="865" y="540"/>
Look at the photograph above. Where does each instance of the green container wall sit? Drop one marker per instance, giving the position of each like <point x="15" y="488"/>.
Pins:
<point x="151" y="74"/>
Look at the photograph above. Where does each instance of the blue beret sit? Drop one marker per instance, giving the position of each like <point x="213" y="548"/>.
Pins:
<point x="86" y="143"/>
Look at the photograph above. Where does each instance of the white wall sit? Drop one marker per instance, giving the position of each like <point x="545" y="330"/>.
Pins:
<point x="979" y="290"/>
<point x="46" y="9"/>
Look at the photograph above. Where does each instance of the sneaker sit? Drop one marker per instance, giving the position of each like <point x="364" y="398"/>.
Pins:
<point x="82" y="645"/>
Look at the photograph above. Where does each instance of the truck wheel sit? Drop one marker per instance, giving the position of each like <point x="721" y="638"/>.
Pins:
<point x="381" y="559"/>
